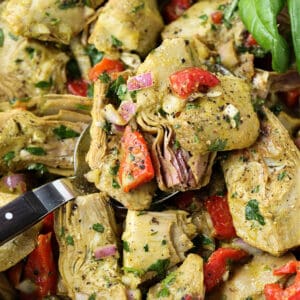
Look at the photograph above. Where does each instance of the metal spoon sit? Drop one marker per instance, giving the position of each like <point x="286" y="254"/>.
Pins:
<point x="33" y="206"/>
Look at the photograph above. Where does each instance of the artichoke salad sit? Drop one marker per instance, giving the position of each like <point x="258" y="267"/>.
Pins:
<point x="197" y="98"/>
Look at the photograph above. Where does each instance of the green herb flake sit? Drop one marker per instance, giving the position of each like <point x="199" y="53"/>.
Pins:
<point x="66" y="4"/>
<point x="62" y="231"/>
<point x="62" y="132"/>
<point x="92" y="296"/>
<point x="237" y="119"/>
<point x="138" y="8"/>
<point x="104" y="77"/>
<point x="69" y="240"/>
<point x="115" y="42"/>
<point x="40" y="168"/>
<point x="176" y="145"/>
<point x="115" y="184"/>
<point x="82" y="107"/>
<point x="217" y="145"/>
<point x="95" y="55"/>
<point x="9" y="156"/>
<point x="276" y="109"/>
<point x="162" y="112"/>
<point x="252" y="212"/>
<point x="203" y="18"/>
<point x="163" y="242"/>
<point x="90" y="91"/>
<point x="30" y="51"/>
<point x="106" y="127"/>
<point x="164" y="292"/>
<point x="114" y="90"/>
<point x="98" y="227"/>
<point x="35" y="151"/>
<point x="234" y="195"/>
<point x="13" y="37"/>
<point x="126" y="246"/>
<point x="255" y="189"/>
<point x="281" y="175"/>
<point x="44" y="85"/>
<point x="191" y="106"/>
<point x="170" y="279"/>
<point x="160" y="266"/>
<point x="136" y="272"/>
<point x="207" y="242"/>
<point x="114" y="170"/>
<point x="257" y="104"/>
<point x="1" y="37"/>
<point x="249" y="298"/>
<point x="146" y="248"/>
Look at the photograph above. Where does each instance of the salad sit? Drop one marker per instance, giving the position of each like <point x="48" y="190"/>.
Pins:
<point x="194" y="99"/>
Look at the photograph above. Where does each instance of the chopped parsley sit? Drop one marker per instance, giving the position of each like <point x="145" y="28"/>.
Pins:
<point x="66" y="4"/>
<point x="106" y="127"/>
<point x="163" y="242"/>
<point x="73" y="71"/>
<point x="136" y="272"/>
<point x="98" y="227"/>
<point x="62" y="132"/>
<point x="203" y="18"/>
<point x="116" y="89"/>
<point x="169" y="280"/>
<point x="115" y="184"/>
<point x="95" y="55"/>
<point x="160" y="266"/>
<point x="115" y="42"/>
<point x="82" y="107"/>
<point x="40" y="168"/>
<point x="126" y="246"/>
<point x="90" y="91"/>
<point x="138" y="7"/>
<point x="207" y="243"/>
<point x="281" y="175"/>
<point x="35" y="151"/>
<point x="1" y="37"/>
<point x="30" y="51"/>
<point x="69" y="240"/>
<point x="252" y="212"/>
<point x="176" y="144"/>
<point x="92" y="296"/>
<point x="257" y="104"/>
<point x="114" y="169"/>
<point x="146" y="248"/>
<point x="164" y="292"/>
<point x="162" y="112"/>
<point x="7" y="157"/>
<point x="237" y="119"/>
<point x="217" y="145"/>
<point x="104" y="77"/>
<point x="44" y="84"/>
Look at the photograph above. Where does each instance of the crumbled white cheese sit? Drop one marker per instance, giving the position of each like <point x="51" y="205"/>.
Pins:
<point x="231" y="112"/>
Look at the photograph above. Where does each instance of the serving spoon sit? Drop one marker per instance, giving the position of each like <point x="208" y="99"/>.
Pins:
<point x="32" y="206"/>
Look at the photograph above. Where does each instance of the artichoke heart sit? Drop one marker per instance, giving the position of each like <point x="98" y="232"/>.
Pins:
<point x="263" y="189"/>
<point x="154" y="242"/>
<point x="83" y="228"/>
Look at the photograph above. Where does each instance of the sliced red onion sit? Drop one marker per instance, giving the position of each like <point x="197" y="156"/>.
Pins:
<point x="127" y="110"/>
<point x="246" y="247"/>
<point x="14" y="180"/>
<point x="139" y="82"/>
<point x="105" y="251"/>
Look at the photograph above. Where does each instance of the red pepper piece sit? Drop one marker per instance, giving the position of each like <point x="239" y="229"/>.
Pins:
<point x="41" y="269"/>
<point x="78" y="87"/>
<point x="217" y="17"/>
<point x="219" y="212"/>
<point x="107" y="65"/>
<point x="136" y="166"/>
<point x="175" y="8"/>
<point x="217" y="265"/>
<point x="190" y="80"/>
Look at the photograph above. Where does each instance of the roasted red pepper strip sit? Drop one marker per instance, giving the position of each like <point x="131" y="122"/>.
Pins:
<point x="190" y="80"/>
<point x="105" y="65"/>
<point x="292" y="97"/>
<point x="219" y="212"/>
<point x="217" y="265"/>
<point x="274" y="291"/>
<point x="78" y="87"/>
<point x="250" y="41"/>
<point x="175" y="8"/>
<point x="136" y="166"/>
<point x="41" y="269"/>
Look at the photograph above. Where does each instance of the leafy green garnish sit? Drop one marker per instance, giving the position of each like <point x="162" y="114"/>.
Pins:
<point x="136" y="272"/>
<point x="146" y="248"/>
<point x="217" y="145"/>
<point x="69" y="240"/>
<point x="104" y="77"/>
<point x="7" y="157"/>
<point x="115" y="42"/>
<point x="257" y="104"/>
<point x="35" y="151"/>
<point x="281" y="175"/>
<point x="44" y="84"/>
<point x="40" y="168"/>
<point x="276" y="109"/>
<point x="203" y="18"/>
<point x="138" y="7"/>
<point x="237" y="119"/>
<point x="98" y="227"/>
<point x="115" y="184"/>
<point x="1" y="37"/>
<point x="90" y="91"/>
<point x="114" y="169"/>
<point x="207" y="243"/>
<point x="126" y="246"/>
<point x="62" y="132"/>
<point x="92" y="296"/>
<point x="115" y="91"/>
<point x="95" y="55"/>
<point x="73" y="71"/>
<point x="252" y="212"/>
<point x="30" y="51"/>
<point x="164" y="292"/>
<point x="106" y="127"/>
<point x="160" y="266"/>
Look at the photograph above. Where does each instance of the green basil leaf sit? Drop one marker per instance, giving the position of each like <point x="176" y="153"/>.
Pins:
<point x="35" y="151"/>
<point x="252" y="212"/>
<point x="63" y="132"/>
